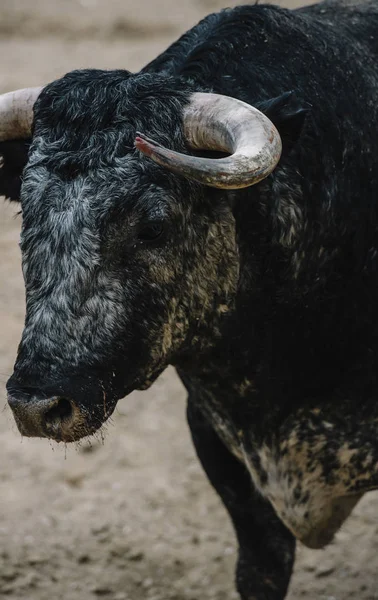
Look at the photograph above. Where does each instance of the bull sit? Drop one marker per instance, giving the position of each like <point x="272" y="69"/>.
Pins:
<point x="216" y="211"/>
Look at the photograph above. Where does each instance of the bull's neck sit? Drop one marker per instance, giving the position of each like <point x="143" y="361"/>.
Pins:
<point x="221" y="351"/>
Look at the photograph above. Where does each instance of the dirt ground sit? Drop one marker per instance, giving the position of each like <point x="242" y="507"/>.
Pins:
<point x="130" y="517"/>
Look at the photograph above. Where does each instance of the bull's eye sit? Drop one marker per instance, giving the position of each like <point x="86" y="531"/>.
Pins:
<point x="150" y="232"/>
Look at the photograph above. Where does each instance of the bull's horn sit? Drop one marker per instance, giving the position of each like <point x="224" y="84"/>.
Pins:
<point x="16" y="113"/>
<point x="219" y="123"/>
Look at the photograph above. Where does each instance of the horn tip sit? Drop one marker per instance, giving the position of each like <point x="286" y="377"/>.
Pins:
<point x="143" y="145"/>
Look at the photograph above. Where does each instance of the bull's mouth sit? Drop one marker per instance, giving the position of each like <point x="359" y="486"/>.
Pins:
<point x="56" y="418"/>
<point x="61" y="418"/>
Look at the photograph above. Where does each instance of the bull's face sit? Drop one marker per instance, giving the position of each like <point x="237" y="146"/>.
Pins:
<point x="126" y="265"/>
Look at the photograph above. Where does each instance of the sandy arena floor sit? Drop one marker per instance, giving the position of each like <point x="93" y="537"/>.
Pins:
<point x="130" y="517"/>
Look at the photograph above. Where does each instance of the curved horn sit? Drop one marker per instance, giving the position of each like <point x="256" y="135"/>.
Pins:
<point x="16" y="113"/>
<point x="220" y="123"/>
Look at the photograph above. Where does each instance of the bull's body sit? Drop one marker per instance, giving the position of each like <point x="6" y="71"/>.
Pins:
<point x="282" y="372"/>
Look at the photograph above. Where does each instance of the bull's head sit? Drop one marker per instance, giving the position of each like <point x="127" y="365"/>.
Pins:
<point x="127" y="266"/>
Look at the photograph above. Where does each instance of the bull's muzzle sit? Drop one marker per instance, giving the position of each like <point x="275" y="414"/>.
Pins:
<point x="47" y="414"/>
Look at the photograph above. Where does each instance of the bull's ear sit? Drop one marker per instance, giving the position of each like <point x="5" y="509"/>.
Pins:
<point x="288" y="114"/>
<point x="13" y="158"/>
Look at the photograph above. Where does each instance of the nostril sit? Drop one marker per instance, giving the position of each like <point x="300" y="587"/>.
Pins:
<point x="61" y="411"/>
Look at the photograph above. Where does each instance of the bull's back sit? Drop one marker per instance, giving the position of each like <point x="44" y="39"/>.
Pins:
<point x="273" y="44"/>
<point x="327" y="53"/>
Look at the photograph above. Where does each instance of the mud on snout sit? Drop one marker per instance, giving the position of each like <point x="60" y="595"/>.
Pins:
<point x="51" y="412"/>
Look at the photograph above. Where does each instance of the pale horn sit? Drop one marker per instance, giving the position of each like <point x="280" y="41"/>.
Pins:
<point x="16" y="113"/>
<point x="220" y="123"/>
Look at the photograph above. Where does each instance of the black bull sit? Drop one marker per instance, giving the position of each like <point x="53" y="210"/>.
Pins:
<point x="264" y="298"/>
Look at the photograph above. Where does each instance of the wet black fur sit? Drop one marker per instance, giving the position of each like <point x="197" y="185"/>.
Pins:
<point x="14" y="155"/>
<point x="305" y="326"/>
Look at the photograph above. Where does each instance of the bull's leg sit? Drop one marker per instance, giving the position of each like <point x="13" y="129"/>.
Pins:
<point x="266" y="547"/>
